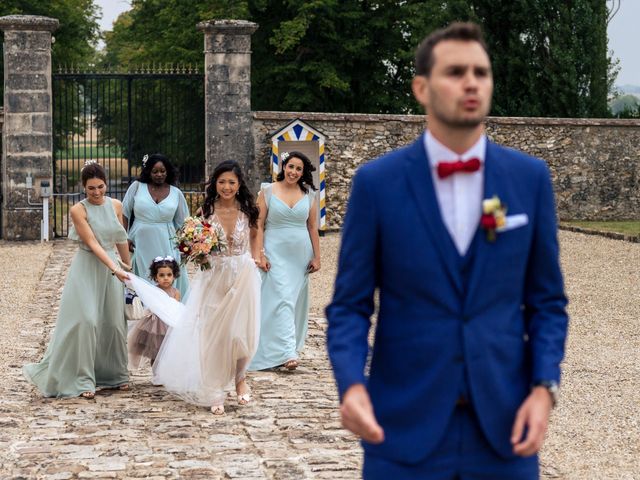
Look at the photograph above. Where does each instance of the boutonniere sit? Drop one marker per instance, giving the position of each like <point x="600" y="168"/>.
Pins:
<point x="494" y="214"/>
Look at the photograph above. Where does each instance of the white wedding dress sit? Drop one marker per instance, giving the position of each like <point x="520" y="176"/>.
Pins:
<point x="213" y="337"/>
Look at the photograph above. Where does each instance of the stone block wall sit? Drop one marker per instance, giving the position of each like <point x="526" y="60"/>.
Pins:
<point x="27" y="131"/>
<point x="595" y="163"/>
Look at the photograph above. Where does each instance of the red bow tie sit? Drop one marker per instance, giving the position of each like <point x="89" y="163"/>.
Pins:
<point x="449" y="168"/>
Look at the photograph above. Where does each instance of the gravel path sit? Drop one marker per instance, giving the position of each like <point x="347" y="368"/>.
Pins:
<point x="292" y="430"/>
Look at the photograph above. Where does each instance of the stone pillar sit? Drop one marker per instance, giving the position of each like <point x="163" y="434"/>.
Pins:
<point x="27" y="133"/>
<point x="228" y="127"/>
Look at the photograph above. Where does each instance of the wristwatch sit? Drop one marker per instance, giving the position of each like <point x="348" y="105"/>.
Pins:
<point x="552" y="387"/>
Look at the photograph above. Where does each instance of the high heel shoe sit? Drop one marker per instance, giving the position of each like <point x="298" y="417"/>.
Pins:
<point x="244" y="398"/>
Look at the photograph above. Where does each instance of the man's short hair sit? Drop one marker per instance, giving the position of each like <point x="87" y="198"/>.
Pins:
<point x="465" y="31"/>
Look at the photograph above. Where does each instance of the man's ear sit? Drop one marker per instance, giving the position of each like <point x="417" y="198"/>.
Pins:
<point x="420" y="88"/>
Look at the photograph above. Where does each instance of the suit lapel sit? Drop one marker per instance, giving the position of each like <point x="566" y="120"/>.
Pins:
<point x="484" y="248"/>
<point x="420" y="183"/>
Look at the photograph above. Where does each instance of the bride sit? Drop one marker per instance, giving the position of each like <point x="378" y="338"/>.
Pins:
<point x="215" y="334"/>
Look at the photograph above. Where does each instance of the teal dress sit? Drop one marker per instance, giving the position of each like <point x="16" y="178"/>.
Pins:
<point x="88" y="348"/>
<point x="285" y="287"/>
<point x="154" y="229"/>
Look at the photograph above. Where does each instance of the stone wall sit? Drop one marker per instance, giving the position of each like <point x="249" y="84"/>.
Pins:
<point x="27" y="132"/>
<point x="595" y="163"/>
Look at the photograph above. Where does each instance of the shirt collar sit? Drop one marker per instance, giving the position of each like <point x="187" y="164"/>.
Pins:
<point x="437" y="152"/>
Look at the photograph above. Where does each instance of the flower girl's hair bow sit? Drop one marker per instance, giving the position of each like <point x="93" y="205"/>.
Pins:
<point x="168" y="258"/>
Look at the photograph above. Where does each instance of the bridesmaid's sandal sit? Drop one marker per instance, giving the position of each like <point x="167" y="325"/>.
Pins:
<point x="291" y="365"/>
<point x="88" y="395"/>
<point x="217" y="409"/>
<point x="124" y="388"/>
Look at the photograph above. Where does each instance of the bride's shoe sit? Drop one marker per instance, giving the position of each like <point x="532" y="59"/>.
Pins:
<point x="217" y="409"/>
<point x="244" y="399"/>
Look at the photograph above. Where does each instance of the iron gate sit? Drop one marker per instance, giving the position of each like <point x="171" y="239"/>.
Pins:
<point x="117" y="118"/>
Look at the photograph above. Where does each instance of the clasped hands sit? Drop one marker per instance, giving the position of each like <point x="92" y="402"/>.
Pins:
<point x="358" y="417"/>
<point x="262" y="262"/>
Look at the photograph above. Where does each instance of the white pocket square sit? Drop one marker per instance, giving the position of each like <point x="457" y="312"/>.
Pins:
<point x="514" y="221"/>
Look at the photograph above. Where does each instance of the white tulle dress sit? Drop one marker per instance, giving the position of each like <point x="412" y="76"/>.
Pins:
<point x="213" y="337"/>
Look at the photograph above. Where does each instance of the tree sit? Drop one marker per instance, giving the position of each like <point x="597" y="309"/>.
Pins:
<point x="338" y="56"/>
<point x="549" y="58"/>
<point x="77" y="35"/>
<point x="164" y="31"/>
<point x="625" y="106"/>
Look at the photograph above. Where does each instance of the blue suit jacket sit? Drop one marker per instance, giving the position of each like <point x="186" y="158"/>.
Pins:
<point x="507" y="328"/>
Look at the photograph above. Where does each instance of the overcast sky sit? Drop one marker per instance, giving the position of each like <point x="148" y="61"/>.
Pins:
<point x="622" y="29"/>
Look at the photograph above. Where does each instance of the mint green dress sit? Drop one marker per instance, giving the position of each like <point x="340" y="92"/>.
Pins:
<point x="285" y="287"/>
<point x="88" y="348"/>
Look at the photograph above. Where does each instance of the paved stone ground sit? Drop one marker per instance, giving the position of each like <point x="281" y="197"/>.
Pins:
<point x="292" y="429"/>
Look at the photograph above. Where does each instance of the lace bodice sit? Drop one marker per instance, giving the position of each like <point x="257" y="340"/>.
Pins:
<point x="238" y="243"/>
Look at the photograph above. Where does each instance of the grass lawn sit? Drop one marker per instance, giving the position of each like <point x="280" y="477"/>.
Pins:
<point x="629" y="227"/>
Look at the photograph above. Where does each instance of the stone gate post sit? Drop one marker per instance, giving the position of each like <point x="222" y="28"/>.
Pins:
<point x="27" y="134"/>
<point x="228" y="127"/>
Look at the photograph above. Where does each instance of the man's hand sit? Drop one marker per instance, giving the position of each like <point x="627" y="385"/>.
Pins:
<point x="534" y="415"/>
<point x="357" y="415"/>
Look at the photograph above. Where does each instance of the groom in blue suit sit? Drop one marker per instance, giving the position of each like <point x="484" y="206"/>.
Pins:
<point x="459" y="236"/>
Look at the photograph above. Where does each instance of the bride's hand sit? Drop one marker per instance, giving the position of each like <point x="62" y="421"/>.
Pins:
<point x="202" y="260"/>
<point x="262" y="263"/>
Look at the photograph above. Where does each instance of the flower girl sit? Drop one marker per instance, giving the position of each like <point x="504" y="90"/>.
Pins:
<point x="146" y="337"/>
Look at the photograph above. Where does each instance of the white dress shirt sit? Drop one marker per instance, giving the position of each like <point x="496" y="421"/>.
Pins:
<point x="459" y="195"/>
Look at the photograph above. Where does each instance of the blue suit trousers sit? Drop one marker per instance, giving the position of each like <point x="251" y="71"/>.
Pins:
<point x="463" y="454"/>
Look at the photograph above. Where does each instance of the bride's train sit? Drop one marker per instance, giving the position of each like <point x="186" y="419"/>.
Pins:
<point x="212" y="337"/>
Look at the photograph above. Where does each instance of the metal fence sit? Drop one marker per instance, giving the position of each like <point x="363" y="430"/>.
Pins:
<point x="117" y="118"/>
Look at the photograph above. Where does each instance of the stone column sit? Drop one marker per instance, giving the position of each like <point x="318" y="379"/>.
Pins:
<point x="27" y="133"/>
<point x="228" y="127"/>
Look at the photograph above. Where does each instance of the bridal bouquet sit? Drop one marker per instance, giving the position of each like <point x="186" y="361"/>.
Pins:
<point x="197" y="239"/>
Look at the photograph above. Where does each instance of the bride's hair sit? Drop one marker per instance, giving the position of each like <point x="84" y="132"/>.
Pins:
<point x="244" y="196"/>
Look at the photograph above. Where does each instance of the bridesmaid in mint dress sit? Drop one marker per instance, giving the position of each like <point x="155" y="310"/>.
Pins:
<point x="88" y="348"/>
<point x="288" y="230"/>
<point x="157" y="208"/>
